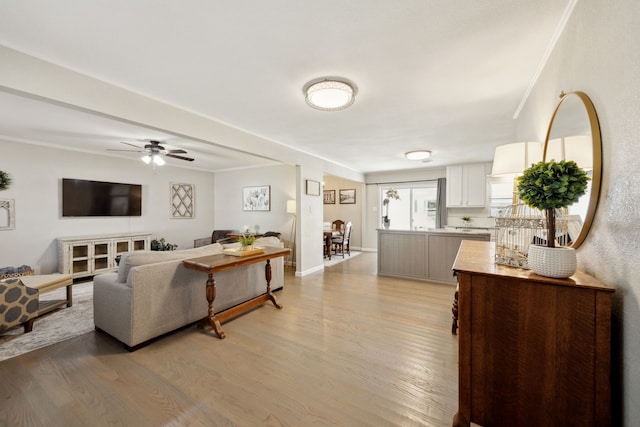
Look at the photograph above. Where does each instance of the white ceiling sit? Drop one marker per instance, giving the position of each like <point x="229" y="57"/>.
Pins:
<point x="442" y="75"/>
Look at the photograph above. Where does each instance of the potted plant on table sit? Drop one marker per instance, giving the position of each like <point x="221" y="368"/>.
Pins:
<point x="162" y="245"/>
<point x="246" y="239"/>
<point x="549" y="186"/>
<point x="391" y="194"/>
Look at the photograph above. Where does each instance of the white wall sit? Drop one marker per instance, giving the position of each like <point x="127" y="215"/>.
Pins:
<point x="598" y="54"/>
<point x="228" y="199"/>
<point x="36" y="173"/>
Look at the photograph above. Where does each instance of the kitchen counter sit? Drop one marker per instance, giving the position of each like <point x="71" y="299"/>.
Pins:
<point x="423" y="255"/>
<point x="457" y="230"/>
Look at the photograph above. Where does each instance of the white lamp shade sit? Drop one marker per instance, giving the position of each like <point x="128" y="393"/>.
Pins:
<point x="576" y="148"/>
<point x="291" y="206"/>
<point x="513" y="159"/>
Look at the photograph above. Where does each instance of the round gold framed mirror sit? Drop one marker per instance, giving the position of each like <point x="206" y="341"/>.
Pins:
<point x="574" y="134"/>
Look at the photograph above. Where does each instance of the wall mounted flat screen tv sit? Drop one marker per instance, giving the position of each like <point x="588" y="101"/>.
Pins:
<point x="96" y="198"/>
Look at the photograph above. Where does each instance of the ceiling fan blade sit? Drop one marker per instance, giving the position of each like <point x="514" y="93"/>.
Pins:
<point x="128" y="151"/>
<point x="188" y="159"/>
<point x="126" y="143"/>
<point x="176" y="152"/>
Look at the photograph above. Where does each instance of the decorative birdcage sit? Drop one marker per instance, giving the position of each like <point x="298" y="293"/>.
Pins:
<point x="516" y="230"/>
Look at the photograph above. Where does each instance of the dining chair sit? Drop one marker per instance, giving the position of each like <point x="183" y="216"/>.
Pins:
<point x="341" y="243"/>
<point x="337" y="225"/>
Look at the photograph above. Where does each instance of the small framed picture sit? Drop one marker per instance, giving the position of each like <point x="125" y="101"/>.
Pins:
<point x="347" y="197"/>
<point x="329" y="197"/>
<point x="313" y="188"/>
<point x="256" y="198"/>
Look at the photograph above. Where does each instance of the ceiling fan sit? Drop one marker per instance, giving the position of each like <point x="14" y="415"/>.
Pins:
<point x="154" y="152"/>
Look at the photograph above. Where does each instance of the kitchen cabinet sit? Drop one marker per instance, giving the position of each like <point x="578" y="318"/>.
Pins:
<point x="467" y="185"/>
<point x="422" y="255"/>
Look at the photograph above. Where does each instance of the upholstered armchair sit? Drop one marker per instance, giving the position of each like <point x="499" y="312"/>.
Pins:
<point x="18" y="304"/>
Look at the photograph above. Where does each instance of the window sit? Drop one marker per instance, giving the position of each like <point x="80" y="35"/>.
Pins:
<point x="416" y="208"/>
<point x="500" y="194"/>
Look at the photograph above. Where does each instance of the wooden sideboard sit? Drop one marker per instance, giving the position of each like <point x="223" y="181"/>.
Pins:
<point x="533" y="351"/>
<point x="422" y="255"/>
<point x="84" y="256"/>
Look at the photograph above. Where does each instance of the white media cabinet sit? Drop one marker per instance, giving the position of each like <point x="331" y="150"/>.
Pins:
<point x="84" y="256"/>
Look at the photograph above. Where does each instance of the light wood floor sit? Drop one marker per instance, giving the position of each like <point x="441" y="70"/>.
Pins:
<point x="348" y="349"/>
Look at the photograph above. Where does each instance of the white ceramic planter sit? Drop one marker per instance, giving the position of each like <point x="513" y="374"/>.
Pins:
<point x="558" y="263"/>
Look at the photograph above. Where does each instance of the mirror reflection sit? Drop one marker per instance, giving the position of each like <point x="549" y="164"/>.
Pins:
<point x="574" y="134"/>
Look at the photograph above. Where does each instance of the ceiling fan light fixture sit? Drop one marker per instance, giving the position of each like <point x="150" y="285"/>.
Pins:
<point x="418" y="155"/>
<point x="146" y="158"/>
<point x="158" y="160"/>
<point x="329" y="93"/>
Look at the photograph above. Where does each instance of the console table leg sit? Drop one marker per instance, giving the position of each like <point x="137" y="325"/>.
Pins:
<point x="211" y="319"/>
<point x="267" y="274"/>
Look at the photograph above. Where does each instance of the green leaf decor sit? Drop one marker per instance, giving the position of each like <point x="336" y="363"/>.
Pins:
<point x="552" y="185"/>
<point x="5" y="180"/>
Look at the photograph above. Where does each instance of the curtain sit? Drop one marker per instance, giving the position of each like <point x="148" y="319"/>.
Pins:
<point x="441" y="201"/>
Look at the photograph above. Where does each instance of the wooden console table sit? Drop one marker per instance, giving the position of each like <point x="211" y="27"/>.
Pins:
<point x="533" y="351"/>
<point x="216" y="263"/>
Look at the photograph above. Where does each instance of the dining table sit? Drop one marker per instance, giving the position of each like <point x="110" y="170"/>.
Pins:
<point x="328" y="234"/>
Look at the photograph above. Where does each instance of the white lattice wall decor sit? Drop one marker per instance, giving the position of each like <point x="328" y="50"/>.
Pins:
<point x="182" y="201"/>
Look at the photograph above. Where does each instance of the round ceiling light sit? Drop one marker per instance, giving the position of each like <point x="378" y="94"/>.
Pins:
<point x="417" y="155"/>
<point x="329" y="94"/>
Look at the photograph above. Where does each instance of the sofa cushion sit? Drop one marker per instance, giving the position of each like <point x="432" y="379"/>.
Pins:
<point x="267" y="241"/>
<point x="133" y="259"/>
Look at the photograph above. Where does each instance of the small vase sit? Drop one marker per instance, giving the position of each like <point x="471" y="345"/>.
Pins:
<point x="386" y="224"/>
<point x="558" y="263"/>
<point x="247" y="248"/>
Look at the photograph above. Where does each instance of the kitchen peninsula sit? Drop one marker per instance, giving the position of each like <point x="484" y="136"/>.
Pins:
<point x="422" y="255"/>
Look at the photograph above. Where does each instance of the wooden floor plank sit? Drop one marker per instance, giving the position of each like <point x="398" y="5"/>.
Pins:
<point x="349" y="348"/>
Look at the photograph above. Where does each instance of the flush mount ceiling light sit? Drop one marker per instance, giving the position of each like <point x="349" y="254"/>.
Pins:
<point x="418" y="155"/>
<point x="329" y="93"/>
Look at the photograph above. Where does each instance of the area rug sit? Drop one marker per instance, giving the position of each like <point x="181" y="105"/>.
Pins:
<point x="56" y="326"/>
<point x="338" y="259"/>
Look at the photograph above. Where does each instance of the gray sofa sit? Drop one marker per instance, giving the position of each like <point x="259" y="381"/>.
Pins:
<point x="153" y="293"/>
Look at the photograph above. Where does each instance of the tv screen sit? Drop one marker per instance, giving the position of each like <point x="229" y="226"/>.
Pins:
<point x="96" y="198"/>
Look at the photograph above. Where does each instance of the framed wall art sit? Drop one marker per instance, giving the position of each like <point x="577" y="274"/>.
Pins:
<point x="329" y="197"/>
<point x="256" y="198"/>
<point x="7" y="214"/>
<point x="348" y="197"/>
<point x="313" y="188"/>
<point x="182" y="201"/>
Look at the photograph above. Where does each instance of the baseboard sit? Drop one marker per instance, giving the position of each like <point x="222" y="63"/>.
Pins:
<point x="310" y="271"/>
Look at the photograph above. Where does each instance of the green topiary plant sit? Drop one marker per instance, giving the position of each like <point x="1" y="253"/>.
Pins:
<point x="552" y="185"/>
<point x="5" y="180"/>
